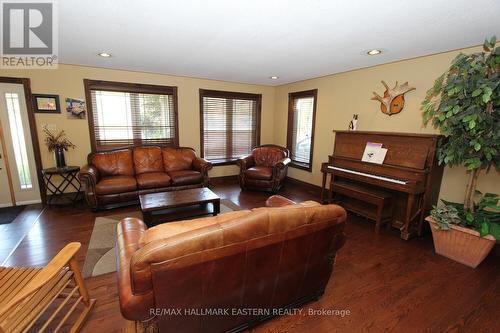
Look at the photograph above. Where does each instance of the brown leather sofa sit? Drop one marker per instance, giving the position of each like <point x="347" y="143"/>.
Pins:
<point x="200" y="275"/>
<point x="117" y="177"/>
<point x="264" y="169"/>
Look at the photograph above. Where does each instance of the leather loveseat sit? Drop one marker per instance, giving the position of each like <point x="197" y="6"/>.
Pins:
<point x="202" y="275"/>
<point x="117" y="177"/>
<point x="264" y="169"/>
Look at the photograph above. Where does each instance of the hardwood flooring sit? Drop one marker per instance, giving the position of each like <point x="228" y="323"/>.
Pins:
<point x="384" y="283"/>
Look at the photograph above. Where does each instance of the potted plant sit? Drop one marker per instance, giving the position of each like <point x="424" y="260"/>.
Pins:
<point x="464" y="105"/>
<point x="57" y="143"/>
<point x="463" y="236"/>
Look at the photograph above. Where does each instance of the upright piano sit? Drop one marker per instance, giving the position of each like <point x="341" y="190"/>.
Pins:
<point x="410" y="173"/>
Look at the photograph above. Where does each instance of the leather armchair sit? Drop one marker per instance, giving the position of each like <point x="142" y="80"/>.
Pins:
<point x="265" y="168"/>
<point x="267" y="258"/>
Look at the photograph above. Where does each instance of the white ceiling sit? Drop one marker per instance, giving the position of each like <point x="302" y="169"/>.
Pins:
<point x="248" y="41"/>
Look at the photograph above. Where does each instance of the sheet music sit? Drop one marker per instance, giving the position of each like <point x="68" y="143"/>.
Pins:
<point x="374" y="153"/>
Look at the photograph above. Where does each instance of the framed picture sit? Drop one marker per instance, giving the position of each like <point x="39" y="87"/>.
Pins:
<point x="46" y="103"/>
<point x="75" y="108"/>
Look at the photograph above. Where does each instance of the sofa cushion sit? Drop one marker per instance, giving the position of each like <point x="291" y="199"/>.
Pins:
<point x="259" y="172"/>
<point x="175" y="159"/>
<point x="268" y="155"/>
<point x="166" y="230"/>
<point x="199" y="235"/>
<point x="114" y="163"/>
<point x="185" y="177"/>
<point x="116" y="184"/>
<point x="148" y="159"/>
<point x="153" y="180"/>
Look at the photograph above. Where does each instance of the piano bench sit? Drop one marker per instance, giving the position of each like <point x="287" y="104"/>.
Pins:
<point x="380" y="199"/>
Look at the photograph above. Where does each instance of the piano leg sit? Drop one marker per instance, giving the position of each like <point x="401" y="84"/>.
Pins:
<point x="421" y="216"/>
<point x="330" y="189"/>
<point x="378" y="221"/>
<point x="405" y="230"/>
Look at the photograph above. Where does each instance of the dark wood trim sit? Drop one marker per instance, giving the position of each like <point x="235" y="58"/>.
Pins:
<point x="301" y="166"/>
<point x="424" y="135"/>
<point x="304" y="184"/>
<point x="127" y="87"/>
<point x="176" y="113"/>
<point x="291" y="97"/>
<point x="130" y="87"/>
<point x="257" y="125"/>
<point x="230" y="162"/>
<point x="202" y="123"/>
<point x="233" y="179"/>
<point x="33" y="131"/>
<point x="229" y="95"/>
<point x="90" y="113"/>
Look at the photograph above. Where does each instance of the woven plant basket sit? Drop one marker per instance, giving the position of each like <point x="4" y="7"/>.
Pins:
<point x="461" y="244"/>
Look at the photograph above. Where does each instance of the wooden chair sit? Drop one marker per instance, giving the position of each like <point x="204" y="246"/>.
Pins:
<point x="31" y="298"/>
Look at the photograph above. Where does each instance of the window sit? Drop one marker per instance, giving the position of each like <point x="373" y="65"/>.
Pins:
<point x="126" y="114"/>
<point x="301" y="119"/>
<point x="230" y="124"/>
<point x="18" y="142"/>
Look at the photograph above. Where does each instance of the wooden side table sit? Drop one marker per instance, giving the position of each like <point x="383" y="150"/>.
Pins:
<point x="56" y="195"/>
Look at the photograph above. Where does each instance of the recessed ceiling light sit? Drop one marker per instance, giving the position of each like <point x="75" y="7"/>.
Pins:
<point x="274" y="77"/>
<point x="373" y="52"/>
<point x="104" y="55"/>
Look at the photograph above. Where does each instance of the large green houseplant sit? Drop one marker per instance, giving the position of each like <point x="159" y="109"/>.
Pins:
<point x="464" y="105"/>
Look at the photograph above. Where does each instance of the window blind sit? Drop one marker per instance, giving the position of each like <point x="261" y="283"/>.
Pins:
<point x="124" y="114"/>
<point x="301" y="118"/>
<point x="230" y="124"/>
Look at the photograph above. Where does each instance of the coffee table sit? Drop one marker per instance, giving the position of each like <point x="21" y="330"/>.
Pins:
<point x="157" y="207"/>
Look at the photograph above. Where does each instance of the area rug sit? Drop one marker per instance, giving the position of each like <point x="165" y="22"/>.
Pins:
<point x="9" y="214"/>
<point x="101" y="257"/>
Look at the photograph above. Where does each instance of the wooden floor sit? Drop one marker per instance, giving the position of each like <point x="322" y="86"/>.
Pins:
<point x="381" y="282"/>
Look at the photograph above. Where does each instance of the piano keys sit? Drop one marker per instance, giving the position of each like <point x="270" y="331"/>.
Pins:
<point x="410" y="172"/>
<point x="391" y="180"/>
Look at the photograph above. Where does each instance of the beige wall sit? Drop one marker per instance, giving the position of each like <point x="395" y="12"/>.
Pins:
<point x="67" y="81"/>
<point x="339" y="96"/>
<point x="342" y="95"/>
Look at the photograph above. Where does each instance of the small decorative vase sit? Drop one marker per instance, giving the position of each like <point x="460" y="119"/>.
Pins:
<point x="60" y="161"/>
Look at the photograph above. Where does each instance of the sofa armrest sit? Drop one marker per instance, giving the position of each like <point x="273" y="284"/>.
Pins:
<point x="245" y="162"/>
<point x="89" y="175"/>
<point x="136" y="296"/>
<point x="278" y="201"/>
<point x="90" y="172"/>
<point x="202" y="165"/>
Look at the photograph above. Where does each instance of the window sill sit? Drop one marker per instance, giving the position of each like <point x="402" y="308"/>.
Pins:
<point x="221" y="163"/>
<point x="301" y="166"/>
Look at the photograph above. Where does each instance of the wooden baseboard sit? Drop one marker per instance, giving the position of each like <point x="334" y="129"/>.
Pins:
<point x="302" y="183"/>
<point x="224" y="179"/>
<point x="234" y="179"/>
